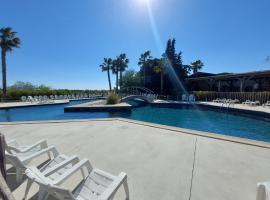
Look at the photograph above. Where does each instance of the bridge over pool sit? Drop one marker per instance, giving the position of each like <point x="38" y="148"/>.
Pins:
<point x="142" y="93"/>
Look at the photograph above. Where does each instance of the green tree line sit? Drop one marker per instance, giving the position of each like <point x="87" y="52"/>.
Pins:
<point x="164" y="75"/>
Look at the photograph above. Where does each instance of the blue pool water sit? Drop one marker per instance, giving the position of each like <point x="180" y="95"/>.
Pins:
<point x="185" y="117"/>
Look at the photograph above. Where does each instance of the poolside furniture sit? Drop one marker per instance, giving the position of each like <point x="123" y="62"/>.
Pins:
<point x="20" y="160"/>
<point x="266" y="104"/>
<point x="14" y="146"/>
<point x="217" y="100"/>
<point x="51" y="170"/>
<point x="31" y="99"/>
<point x="23" y="98"/>
<point x="96" y="184"/>
<point x="51" y="97"/>
<point x="184" y="97"/>
<point x="263" y="191"/>
<point x="254" y="103"/>
<point x="234" y="101"/>
<point x="191" y="98"/>
<point x="36" y="99"/>
<point x="247" y="102"/>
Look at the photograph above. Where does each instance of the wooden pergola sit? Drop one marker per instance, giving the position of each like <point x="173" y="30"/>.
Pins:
<point x="241" y="77"/>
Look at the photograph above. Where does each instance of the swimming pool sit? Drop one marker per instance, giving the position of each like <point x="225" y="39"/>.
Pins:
<point x="184" y="117"/>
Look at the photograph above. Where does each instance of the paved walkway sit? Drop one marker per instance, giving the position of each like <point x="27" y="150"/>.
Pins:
<point x="26" y="104"/>
<point x="265" y="109"/>
<point x="161" y="164"/>
<point x="241" y="106"/>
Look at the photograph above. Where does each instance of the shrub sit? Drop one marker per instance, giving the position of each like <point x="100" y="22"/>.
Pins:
<point x="113" y="99"/>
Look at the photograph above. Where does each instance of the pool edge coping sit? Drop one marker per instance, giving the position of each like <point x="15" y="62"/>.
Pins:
<point x="178" y="130"/>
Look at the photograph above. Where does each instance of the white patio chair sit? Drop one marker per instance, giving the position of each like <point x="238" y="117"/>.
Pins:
<point x="30" y="99"/>
<point x="263" y="191"/>
<point x="61" y="162"/>
<point x="13" y="146"/>
<point x="184" y="97"/>
<point x="216" y="100"/>
<point x="191" y="98"/>
<point x="247" y="102"/>
<point x="96" y="185"/>
<point x="23" y="98"/>
<point x="266" y="104"/>
<point x="20" y="160"/>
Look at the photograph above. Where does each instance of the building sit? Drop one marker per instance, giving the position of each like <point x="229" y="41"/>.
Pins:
<point x="230" y="82"/>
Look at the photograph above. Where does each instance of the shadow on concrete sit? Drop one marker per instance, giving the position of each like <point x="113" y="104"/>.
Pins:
<point x="11" y="177"/>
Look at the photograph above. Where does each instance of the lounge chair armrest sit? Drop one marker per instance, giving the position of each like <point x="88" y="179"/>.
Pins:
<point x="42" y="144"/>
<point x="14" y="160"/>
<point x="79" y="166"/>
<point x="41" y="152"/>
<point x="11" y="141"/>
<point x="112" y="189"/>
<point x="72" y="160"/>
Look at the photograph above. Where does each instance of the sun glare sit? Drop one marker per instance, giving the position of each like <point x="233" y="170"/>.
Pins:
<point x="142" y="2"/>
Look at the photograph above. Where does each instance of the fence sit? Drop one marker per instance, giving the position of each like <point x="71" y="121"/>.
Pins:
<point x="263" y="97"/>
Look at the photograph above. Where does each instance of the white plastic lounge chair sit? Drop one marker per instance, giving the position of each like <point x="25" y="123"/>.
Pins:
<point x="216" y="100"/>
<point x="263" y="191"/>
<point x="184" y="97"/>
<point x="254" y="103"/>
<point x="247" y="102"/>
<point x="266" y="104"/>
<point x="50" y="171"/>
<point x="23" y="98"/>
<point x="191" y="98"/>
<point x="96" y="185"/>
<point x="20" y="160"/>
<point x="31" y="99"/>
<point x="14" y="147"/>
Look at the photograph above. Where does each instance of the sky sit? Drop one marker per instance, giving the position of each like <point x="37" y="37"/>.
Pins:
<point x="65" y="41"/>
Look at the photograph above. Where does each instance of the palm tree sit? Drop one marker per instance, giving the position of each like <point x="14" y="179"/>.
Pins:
<point x="115" y="70"/>
<point x="143" y="61"/>
<point x="123" y="64"/>
<point x="160" y="69"/>
<point x="196" y="66"/>
<point x="8" y="41"/>
<point x="107" y="66"/>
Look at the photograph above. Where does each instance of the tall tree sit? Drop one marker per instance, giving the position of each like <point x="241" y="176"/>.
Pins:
<point x="196" y="66"/>
<point x="123" y="65"/>
<point x="107" y="66"/>
<point x="8" y="41"/>
<point x="143" y="63"/>
<point x="115" y="70"/>
<point x="161" y="69"/>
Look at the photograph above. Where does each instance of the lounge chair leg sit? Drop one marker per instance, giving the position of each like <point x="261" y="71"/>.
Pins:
<point x="49" y="155"/>
<point x="19" y="174"/>
<point x="83" y="173"/>
<point x="42" y="194"/>
<point x="126" y="189"/>
<point x="29" y="184"/>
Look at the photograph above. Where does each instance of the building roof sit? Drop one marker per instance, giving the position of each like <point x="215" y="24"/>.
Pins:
<point x="230" y="76"/>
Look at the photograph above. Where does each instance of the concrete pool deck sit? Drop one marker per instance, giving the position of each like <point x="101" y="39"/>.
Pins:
<point x="29" y="104"/>
<point x="161" y="162"/>
<point x="98" y="106"/>
<point x="247" y="109"/>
